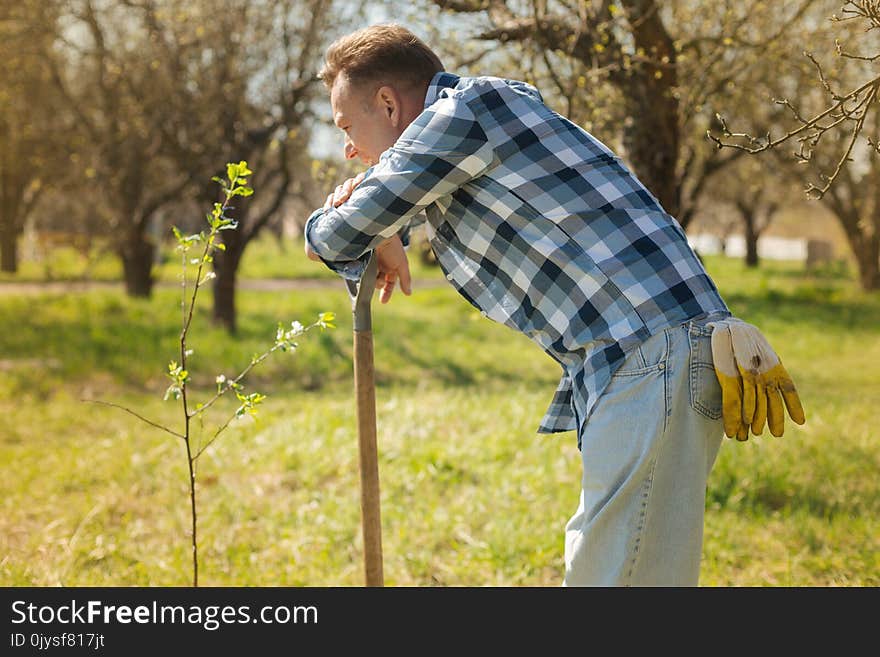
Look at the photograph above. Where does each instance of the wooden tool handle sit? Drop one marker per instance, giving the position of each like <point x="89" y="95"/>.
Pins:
<point x="371" y="521"/>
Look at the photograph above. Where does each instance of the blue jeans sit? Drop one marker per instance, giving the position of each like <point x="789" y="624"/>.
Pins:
<point x="647" y="450"/>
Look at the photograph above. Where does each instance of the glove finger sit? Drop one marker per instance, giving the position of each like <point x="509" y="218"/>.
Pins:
<point x="742" y="433"/>
<point x="749" y="395"/>
<point x="775" y="412"/>
<point x="793" y="404"/>
<point x="732" y="426"/>
<point x="789" y="393"/>
<point x="792" y="401"/>
<point x="760" y="411"/>
<point x="731" y="403"/>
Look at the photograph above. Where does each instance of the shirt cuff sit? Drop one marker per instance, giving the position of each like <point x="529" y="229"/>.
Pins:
<point x="352" y="270"/>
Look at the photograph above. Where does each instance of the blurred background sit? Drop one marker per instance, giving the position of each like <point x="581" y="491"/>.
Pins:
<point x="116" y="113"/>
<point x="755" y="122"/>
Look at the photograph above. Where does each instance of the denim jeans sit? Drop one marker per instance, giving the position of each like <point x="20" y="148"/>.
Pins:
<point x="647" y="450"/>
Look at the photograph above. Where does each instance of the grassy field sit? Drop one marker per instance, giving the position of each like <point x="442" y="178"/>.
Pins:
<point x="471" y="495"/>
<point x="266" y="257"/>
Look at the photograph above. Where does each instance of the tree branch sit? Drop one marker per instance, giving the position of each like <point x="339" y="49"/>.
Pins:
<point x="137" y="415"/>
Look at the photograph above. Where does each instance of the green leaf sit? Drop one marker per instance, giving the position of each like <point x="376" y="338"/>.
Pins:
<point x="325" y="320"/>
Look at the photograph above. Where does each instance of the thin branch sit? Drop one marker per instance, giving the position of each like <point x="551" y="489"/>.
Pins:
<point x="216" y="435"/>
<point x="138" y="416"/>
<point x="463" y="6"/>
<point x="810" y="131"/>
<point x="818" y="192"/>
<point x="230" y="384"/>
<point x="842" y="53"/>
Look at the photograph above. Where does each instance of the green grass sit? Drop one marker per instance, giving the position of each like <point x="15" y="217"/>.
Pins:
<point x="471" y="495"/>
<point x="265" y="257"/>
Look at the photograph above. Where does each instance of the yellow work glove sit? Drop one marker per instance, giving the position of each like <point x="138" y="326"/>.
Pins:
<point x="754" y="383"/>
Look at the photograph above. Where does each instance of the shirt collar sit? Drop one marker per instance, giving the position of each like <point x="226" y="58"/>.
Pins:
<point x="439" y="82"/>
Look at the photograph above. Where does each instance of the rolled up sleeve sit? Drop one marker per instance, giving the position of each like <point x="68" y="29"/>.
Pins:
<point x="443" y="149"/>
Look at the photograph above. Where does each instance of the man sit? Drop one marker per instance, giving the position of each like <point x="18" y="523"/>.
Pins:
<point x="542" y="228"/>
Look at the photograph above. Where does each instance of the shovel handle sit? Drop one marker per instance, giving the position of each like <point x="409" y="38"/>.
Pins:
<point x="369" y="458"/>
<point x="361" y="293"/>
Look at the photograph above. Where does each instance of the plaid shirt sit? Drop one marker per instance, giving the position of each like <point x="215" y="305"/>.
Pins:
<point x="536" y="223"/>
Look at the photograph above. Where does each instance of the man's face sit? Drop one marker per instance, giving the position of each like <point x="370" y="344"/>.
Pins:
<point x="370" y="118"/>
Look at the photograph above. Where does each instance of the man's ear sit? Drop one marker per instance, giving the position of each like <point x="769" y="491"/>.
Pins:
<point x="390" y="104"/>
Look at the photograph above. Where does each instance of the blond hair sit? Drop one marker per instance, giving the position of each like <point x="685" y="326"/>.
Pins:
<point x="381" y="53"/>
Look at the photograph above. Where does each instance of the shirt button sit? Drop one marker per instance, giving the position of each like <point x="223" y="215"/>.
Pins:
<point x="448" y="277"/>
<point x="484" y="313"/>
<point x="660" y="366"/>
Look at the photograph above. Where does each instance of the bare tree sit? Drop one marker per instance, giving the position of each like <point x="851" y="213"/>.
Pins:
<point x="164" y="90"/>
<point x="846" y="111"/>
<point x="854" y="198"/>
<point x="665" y="60"/>
<point x="253" y="98"/>
<point x="756" y="203"/>
<point x="32" y="127"/>
<point x="836" y="133"/>
<point x="109" y="79"/>
<point x="278" y="135"/>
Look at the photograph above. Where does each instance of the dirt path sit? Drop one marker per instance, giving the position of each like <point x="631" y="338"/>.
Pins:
<point x="266" y="284"/>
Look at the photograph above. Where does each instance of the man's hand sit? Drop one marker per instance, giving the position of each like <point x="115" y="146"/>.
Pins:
<point x="393" y="265"/>
<point x="339" y="196"/>
<point x="342" y="193"/>
<point x="754" y="383"/>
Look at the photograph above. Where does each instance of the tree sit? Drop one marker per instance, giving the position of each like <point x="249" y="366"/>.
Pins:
<point x="110" y="80"/>
<point x="254" y="98"/>
<point x="755" y="194"/>
<point x="163" y="90"/>
<point x="277" y="133"/>
<point x="31" y="119"/>
<point x="665" y="62"/>
<point x="854" y="198"/>
<point x="836" y="130"/>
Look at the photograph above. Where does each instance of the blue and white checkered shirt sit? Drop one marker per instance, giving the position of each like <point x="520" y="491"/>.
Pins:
<point x="536" y="223"/>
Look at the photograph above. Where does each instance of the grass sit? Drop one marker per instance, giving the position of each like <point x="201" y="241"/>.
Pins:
<point x="266" y="257"/>
<point x="470" y="494"/>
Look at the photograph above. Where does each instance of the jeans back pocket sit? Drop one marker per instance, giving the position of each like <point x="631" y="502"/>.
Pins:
<point x="705" y="391"/>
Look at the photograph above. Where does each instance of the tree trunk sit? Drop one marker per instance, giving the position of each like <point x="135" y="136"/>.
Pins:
<point x="863" y="239"/>
<point x="137" y="265"/>
<point x="751" y="238"/>
<point x="867" y="253"/>
<point x="11" y="227"/>
<point x="226" y="267"/>
<point x="651" y="140"/>
<point x="8" y="251"/>
<point x="651" y="135"/>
